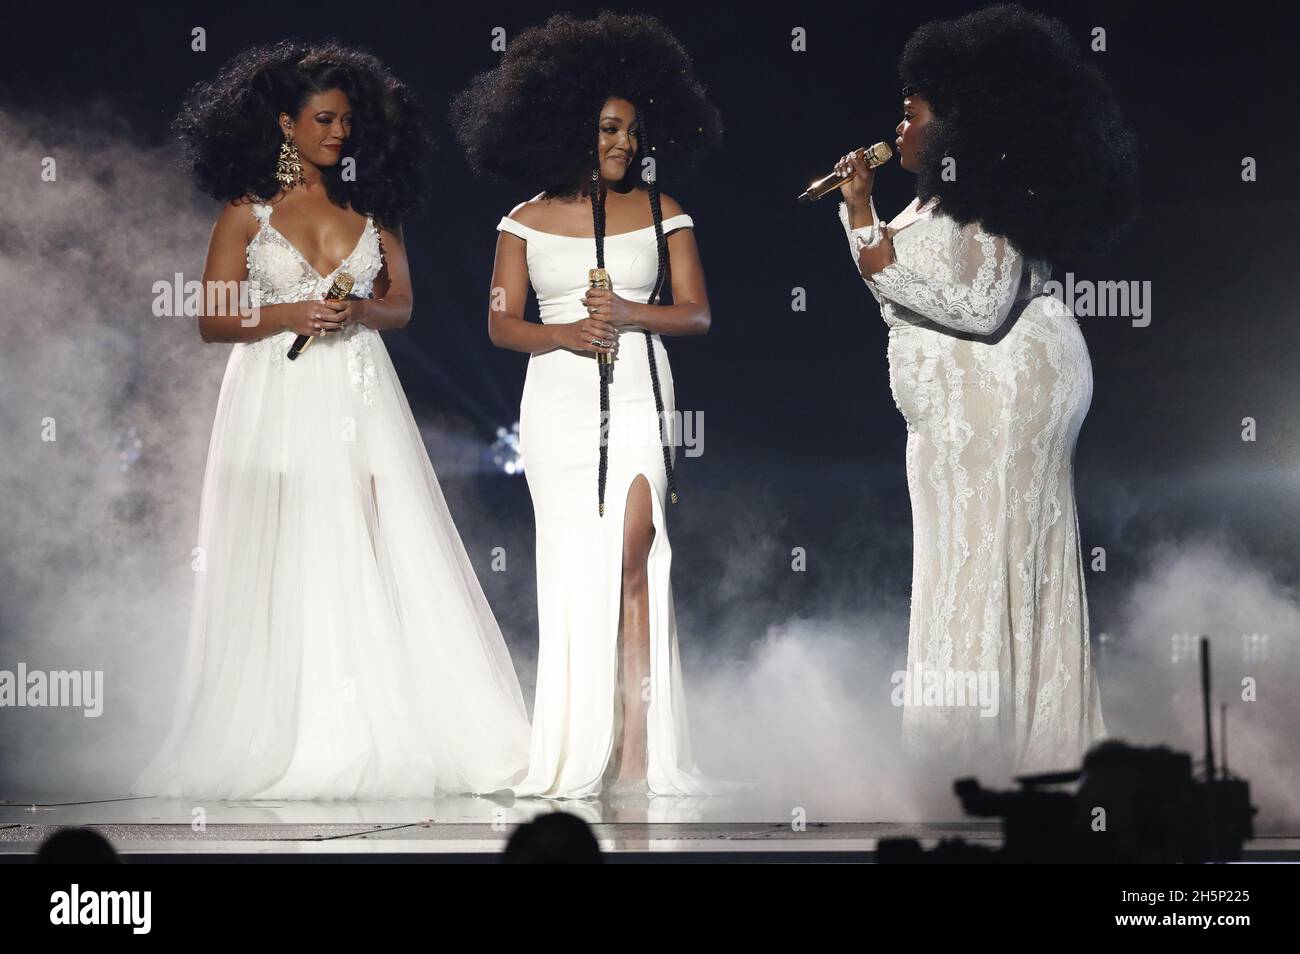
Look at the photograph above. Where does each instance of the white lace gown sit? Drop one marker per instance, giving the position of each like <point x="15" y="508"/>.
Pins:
<point x="579" y="553"/>
<point x="340" y="645"/>
<point x="994" y="381"/>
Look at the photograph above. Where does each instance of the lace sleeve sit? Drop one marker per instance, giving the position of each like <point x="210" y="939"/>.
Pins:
<point x="985" y="272"/>
<point x="864" y="235"/>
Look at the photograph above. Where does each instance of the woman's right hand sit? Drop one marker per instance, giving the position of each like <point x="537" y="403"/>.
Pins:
<point x="312" y="317"/>
<point x="856" y="191"/>
<point x="578" y="335"/>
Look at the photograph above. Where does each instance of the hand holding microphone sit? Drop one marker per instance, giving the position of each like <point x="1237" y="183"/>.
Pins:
<point x="339" y="290"/>
<point x="857" y="180"/>
<point x="854" y="176"/>
<point x="856" y="166"/>
<point x="598" y="280"/>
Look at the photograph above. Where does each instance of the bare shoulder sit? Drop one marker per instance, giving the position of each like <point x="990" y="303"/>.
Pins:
<point x="237" y="218"/>
<point x="669" y="206"/>
<point x="531" y="212"/>
<point x="391" y="239"/>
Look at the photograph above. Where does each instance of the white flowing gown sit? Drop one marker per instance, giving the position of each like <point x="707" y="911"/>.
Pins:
<point x="579" y="553"/>
<point x="994" y="381"/>
<point x="340" y="645"/>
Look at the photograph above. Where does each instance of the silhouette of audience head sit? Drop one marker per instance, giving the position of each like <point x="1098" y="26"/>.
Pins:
<point x="77" y="846"/>
<point x="557" y="838"/>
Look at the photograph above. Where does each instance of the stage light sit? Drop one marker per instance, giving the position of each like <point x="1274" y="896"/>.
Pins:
<point x="505" y="450"/>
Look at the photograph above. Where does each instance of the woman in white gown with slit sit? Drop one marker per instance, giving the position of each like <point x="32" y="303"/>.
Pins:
<point x="993" y="379"/>
<point x="340" y="645"/>
<point x="609" y="715"/>
<point x="580" y="551"/>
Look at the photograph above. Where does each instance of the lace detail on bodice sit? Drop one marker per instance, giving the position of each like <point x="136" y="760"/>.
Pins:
<point x="278" y="273"/>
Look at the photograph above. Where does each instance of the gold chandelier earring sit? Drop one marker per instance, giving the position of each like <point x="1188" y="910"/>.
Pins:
<point x="288" y="168"/>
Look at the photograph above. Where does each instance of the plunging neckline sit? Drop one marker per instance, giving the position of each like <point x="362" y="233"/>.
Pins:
<point x="266" y="223"/>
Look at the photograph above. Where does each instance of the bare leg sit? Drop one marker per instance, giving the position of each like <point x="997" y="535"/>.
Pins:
<point x="638" y="534"/>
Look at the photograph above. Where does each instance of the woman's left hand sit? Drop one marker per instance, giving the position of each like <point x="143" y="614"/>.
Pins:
<point x="608" y="306"/>
<point x="348" y="311"/>
<point x="873" y="258"/>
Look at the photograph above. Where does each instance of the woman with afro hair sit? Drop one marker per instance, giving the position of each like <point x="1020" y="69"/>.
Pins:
<point x="340" y="645"/>
<point x="1022" y="162"/>
<point x="592" y="111"/>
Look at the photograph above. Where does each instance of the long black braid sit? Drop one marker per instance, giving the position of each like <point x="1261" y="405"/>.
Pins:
<point x="598" y="227"/>
<point x="661" y="250"/>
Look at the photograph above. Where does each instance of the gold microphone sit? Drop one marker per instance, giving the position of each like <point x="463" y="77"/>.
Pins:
<point x="877" y="155"/>
<point x="340" y="289"/>
<point x="599" y="278"/>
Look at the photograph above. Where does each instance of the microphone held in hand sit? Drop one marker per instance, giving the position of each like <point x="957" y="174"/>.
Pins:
<point x="340" y="289"/>
<point x="877" y="155"/>
<point x="599" y="278"/>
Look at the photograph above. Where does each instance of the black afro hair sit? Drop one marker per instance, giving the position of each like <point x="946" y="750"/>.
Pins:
<point x="1042" y="153"/>
<point x="532" y="119"/>
<point x="229" y="126"/>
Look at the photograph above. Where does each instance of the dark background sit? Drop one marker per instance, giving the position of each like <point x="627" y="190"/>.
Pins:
<point x="803" y="446"/>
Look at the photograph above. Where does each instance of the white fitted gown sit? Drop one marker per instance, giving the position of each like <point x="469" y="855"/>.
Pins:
<point x="579" y="553"/>
<point x="994" y="381"/>
<point x="340" y="645"/>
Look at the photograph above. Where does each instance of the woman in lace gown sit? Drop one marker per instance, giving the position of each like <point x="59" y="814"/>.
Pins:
<point x="993" y="380"/>
<point x="609" y="715"/>
<point x="340" y="645"/>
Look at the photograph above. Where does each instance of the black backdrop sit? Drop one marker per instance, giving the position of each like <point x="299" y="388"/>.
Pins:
<point x="802" y="443"/>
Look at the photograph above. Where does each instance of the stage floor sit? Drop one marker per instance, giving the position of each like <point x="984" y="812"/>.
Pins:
<point x="472" y="829"/>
